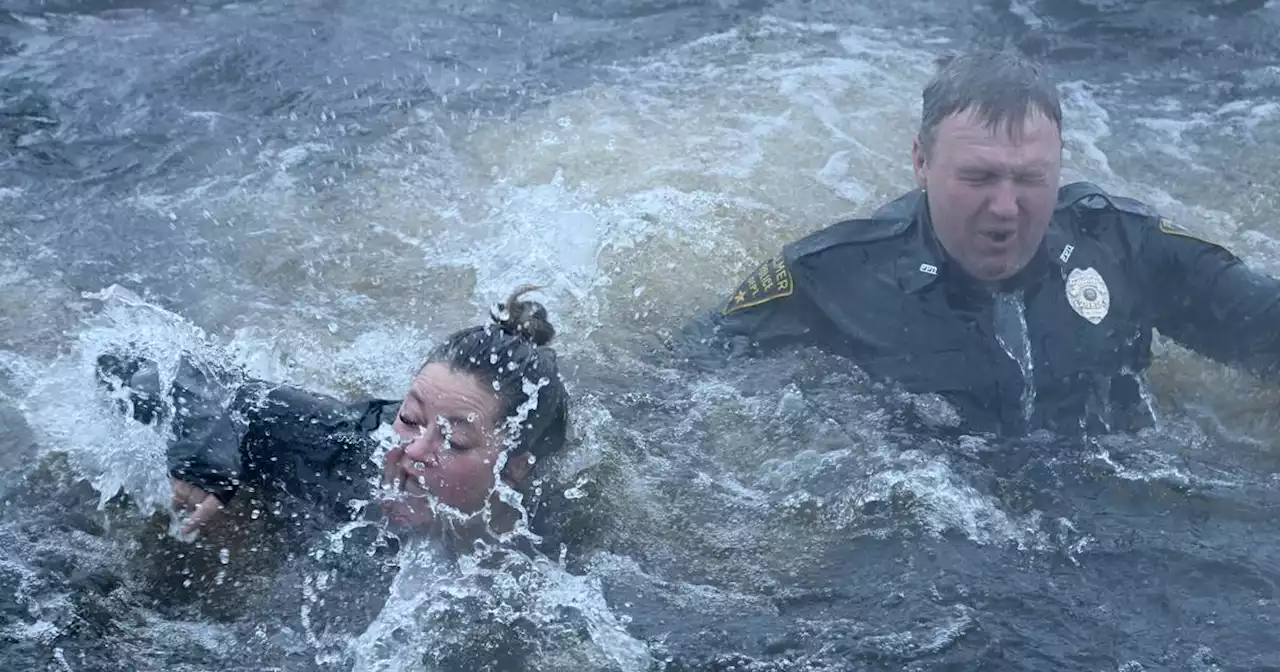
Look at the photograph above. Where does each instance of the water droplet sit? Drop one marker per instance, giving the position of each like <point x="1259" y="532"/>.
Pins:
<point x="224" y="556"/>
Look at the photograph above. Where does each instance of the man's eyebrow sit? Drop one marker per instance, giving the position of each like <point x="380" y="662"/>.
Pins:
<point x="1000" y="169"/>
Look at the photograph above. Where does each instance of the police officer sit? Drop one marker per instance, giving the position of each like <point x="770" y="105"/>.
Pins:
<point x="1027" y="305"/>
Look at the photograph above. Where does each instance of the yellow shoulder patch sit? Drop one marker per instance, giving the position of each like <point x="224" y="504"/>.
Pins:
<point x="1168" y="227"/>
<point x="771" y="280"/>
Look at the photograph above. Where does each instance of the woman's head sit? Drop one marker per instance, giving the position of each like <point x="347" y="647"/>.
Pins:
<point x="486" y="403"/>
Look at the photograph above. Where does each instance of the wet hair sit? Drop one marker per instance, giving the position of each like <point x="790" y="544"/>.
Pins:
<point x="511" y="355"/>
<point x="1001" y="86"/>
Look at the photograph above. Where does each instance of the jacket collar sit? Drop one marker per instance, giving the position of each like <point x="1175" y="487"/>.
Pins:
<point x="923" y="261"/>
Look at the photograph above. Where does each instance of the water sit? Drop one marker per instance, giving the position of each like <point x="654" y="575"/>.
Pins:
<point x="319" y="190"/>
<point x="1010" y="318"/>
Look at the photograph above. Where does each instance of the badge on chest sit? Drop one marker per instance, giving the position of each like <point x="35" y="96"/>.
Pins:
<point x="1088" y="295"/>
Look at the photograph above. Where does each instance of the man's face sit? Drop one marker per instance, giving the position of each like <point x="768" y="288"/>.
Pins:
<point x="991" y="193"/>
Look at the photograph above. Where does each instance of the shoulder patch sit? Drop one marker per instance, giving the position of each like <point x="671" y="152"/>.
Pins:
<point x="1168" y="228"/>
<point x="771" y="280"/>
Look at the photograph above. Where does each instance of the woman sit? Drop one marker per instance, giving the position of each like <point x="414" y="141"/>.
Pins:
<point x="453" y="458"/>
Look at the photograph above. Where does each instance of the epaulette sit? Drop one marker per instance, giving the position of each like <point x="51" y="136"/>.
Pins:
<point x="1090" y="196"/>
<point x="849" y="232"/>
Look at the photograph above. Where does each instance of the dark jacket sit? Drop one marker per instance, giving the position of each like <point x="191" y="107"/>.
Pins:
<point x="882" y="292"/>
<point x="231" y="433"/>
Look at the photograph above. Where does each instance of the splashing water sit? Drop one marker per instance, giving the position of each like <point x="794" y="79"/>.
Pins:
<point x="321" y="190"/>
<point x="1010" y="322"/>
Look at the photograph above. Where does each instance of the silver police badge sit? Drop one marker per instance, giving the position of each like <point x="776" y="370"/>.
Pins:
<point x="1088" y="295"/>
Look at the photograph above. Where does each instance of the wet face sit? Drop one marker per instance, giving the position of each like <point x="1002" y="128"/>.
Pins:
<point x="449" y="424"/>
<point x="991" y="193"/>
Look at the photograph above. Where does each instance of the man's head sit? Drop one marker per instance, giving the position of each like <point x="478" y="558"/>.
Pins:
<point x="988" y="155"/>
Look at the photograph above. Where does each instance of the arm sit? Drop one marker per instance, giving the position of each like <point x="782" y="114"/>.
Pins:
<point x="227" y="434"/>
<point x="1205" y="298"/>
<point x="204" y="450"/>
<point x="308" y="445"/>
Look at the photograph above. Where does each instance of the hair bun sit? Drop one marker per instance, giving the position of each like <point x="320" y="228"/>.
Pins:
<point x="527" y="319"/>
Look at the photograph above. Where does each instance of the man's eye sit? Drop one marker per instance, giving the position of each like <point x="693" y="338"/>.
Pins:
<point x="406" y="421"/>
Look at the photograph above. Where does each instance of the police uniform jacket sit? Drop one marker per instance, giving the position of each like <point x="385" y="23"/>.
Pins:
<point x="1061" y="346"/>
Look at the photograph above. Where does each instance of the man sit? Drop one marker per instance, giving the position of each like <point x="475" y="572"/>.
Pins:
<point x="1025" y="304"/>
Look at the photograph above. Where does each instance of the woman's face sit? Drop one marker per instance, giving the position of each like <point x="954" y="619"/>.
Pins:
<point x="451" y="443"/>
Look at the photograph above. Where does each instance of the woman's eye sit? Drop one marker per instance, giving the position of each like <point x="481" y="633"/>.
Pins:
<point x="405" y="421"/>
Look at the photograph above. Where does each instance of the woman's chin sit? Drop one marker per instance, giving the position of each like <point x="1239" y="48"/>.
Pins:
<point x="405" y="514"/>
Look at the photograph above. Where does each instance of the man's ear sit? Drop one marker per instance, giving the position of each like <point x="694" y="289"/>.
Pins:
<point x="919" y="163"/>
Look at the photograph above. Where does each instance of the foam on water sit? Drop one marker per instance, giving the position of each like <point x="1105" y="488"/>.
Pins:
<point x="429" y="593"/>
<point x="696" y="164"/>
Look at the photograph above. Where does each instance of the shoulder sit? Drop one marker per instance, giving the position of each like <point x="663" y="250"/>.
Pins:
<point x="890" y="222"/>
<point x="1086" y="200"/>
<point x="775" y="278"/>
<point x="1095" y="209"/>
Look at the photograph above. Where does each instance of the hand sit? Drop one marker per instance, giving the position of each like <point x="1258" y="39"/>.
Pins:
<point x="392" y="473"/>
<point x="200" y="506"/>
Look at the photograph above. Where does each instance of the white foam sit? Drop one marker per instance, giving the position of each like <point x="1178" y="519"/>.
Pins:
<point x="689" y="169"/>
<point x="428" y="587"/>
<point x="947" y="503"/>
<point x="1086" y="124"/>
<point x="1028" y="15"/>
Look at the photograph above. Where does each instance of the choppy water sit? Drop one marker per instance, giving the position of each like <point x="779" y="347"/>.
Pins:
<point x="318" y="190"/>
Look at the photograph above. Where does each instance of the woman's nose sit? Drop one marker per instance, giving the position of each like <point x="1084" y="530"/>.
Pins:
<point x="424" y="447"/>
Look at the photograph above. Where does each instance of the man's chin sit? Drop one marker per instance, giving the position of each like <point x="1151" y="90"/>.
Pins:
<point x="997" y="269"/>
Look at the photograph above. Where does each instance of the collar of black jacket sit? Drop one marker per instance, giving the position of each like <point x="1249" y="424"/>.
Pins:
<point x="923" y="261"/>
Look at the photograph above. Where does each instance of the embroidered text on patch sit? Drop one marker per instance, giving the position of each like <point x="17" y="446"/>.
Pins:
<point x="771" y="280"/>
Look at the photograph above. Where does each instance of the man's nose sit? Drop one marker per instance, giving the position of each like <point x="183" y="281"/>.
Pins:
<point x="1004" y="201"/>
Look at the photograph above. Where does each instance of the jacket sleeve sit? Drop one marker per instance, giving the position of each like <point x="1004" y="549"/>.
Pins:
<point x="1207" y="299"/>
<point x="308" y="445"/>
<point x="228" y="432"/>
<point x="767" y="311"/>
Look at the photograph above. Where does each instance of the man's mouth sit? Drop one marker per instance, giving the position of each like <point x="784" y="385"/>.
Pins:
<point x="998" y="236"/>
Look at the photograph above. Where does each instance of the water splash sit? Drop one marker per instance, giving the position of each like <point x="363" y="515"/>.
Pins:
<point x="114" y="452"/>
<point x="439" y="612"/>
<point x="1011" y="331"/>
